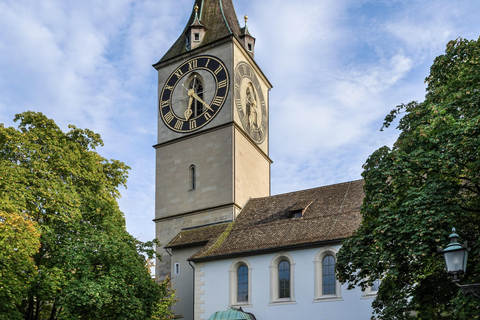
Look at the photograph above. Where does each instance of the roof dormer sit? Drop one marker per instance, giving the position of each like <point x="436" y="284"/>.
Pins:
<point x="195" y="32"/>
<point x="247" y="40"/>
<point x="298" y="209"/>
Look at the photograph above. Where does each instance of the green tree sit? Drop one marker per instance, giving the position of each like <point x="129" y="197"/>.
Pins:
<point x="65" y="232"/>
<point x="417" y="191"/>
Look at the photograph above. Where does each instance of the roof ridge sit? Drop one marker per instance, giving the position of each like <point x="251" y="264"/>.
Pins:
<point x="313" y="188"/>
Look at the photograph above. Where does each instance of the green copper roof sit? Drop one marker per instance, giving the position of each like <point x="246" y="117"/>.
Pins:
<point x="232" y="314"/>
<point x="219" y="19"/>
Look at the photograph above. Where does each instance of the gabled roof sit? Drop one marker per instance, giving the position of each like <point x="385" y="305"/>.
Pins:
<point x="330" y="214"/>
<point x="217" y="16"/>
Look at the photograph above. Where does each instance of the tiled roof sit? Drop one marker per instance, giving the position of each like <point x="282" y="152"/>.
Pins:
<point x="199" y="235"/>
<point x="219" y="19"/>
<point x="330" y="213"/>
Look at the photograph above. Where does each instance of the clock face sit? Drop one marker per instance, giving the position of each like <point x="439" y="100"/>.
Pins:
<point x="194" y="94"/>
<point x="250" y="104"/>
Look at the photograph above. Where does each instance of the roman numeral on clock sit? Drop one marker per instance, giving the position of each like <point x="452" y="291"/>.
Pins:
<point x="222" y="84"/>
<point x="179" y="124"/>
<point x="165" y="103"/>
<point x="217" y="101"/>
<point x="169" y="116"/>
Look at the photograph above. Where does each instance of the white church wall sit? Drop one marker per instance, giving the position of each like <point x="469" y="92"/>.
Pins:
<point x="349" y="304"/>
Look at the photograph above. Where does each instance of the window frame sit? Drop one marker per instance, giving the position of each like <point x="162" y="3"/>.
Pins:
<point x="275" y="280"/>
<point x="192" y="177"/>
<point x="369" y="292"/>
<point x="318" y="275"/>
<point x="176" y="268"/>
<point x="233" y="275"/>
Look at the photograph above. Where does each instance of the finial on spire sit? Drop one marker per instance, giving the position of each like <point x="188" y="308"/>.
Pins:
<point x="196" y="8"/>
<point x="246" y="18"/>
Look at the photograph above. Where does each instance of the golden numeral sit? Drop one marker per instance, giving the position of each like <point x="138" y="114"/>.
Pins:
<point x="192" y="64"/>
<point x="222" y="84"/>
<point x="206" y="64"/>
<point x="169" y="116"/>
<point x="165" y="103"/>
<point x="179" y="73"/>
<point x="167" y="87"/>
<point x="207" y="115"/>
<point x="218" y="70"/>
<point x="193" y="124"/>
<point x="179" y="124"/>
<point x="217" y="101"/>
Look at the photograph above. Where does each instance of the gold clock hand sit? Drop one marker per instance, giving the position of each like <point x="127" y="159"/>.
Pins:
<point x="201" y="101"/>
<point x="189" y="112"/>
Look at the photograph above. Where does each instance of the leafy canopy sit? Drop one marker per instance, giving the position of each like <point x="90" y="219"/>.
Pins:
<point x="64" y="249"/>
<point x="417" y="191"/>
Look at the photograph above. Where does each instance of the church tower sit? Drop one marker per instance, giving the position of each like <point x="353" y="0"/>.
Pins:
<point x="213" y="113"/>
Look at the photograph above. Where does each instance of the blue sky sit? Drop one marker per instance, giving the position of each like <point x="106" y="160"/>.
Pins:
<point x="337" y="68"/>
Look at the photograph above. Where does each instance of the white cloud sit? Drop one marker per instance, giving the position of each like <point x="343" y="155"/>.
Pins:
<point x="337" y="68"/>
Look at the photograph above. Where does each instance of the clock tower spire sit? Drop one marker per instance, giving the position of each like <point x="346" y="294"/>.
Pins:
<point x="212" y="149"/>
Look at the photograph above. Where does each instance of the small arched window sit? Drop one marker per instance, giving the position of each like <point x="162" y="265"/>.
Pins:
<point x="328" y="274"/>
<point x="242" y="284"/>
<point x="284" y="279"/>
<point x="192" y="173"/>
<point x="197" y="86"/>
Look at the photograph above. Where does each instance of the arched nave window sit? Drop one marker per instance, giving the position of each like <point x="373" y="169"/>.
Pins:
<point x="281" y="279"/>
<point x="240" y="283"/>
<point x="326" y="284"/>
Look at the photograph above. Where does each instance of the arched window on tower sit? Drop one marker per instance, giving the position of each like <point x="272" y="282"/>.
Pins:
<point x="192" y="174"/>
<point x="197" y="86"/>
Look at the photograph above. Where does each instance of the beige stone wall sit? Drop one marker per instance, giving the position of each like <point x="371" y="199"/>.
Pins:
<point x="212" y="155"/>
<point x="252" y="170"/>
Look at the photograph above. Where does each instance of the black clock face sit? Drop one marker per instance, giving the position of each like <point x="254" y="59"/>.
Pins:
<point x="194" y="94"/>
<point x="250" y="104"/>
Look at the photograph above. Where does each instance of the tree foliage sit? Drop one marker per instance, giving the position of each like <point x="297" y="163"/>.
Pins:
<point x="64" y="249"/>
<point x="417" y="191"/>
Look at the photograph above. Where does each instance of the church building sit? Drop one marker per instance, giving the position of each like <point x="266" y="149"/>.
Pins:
<point x="227" y="243"/>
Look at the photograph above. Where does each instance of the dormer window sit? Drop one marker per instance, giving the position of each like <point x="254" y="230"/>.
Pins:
<point x="297" y="214"/>
<point x="298" y="209"/>
<point x="250" y="47"/>
<point x="196" y="37"/>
